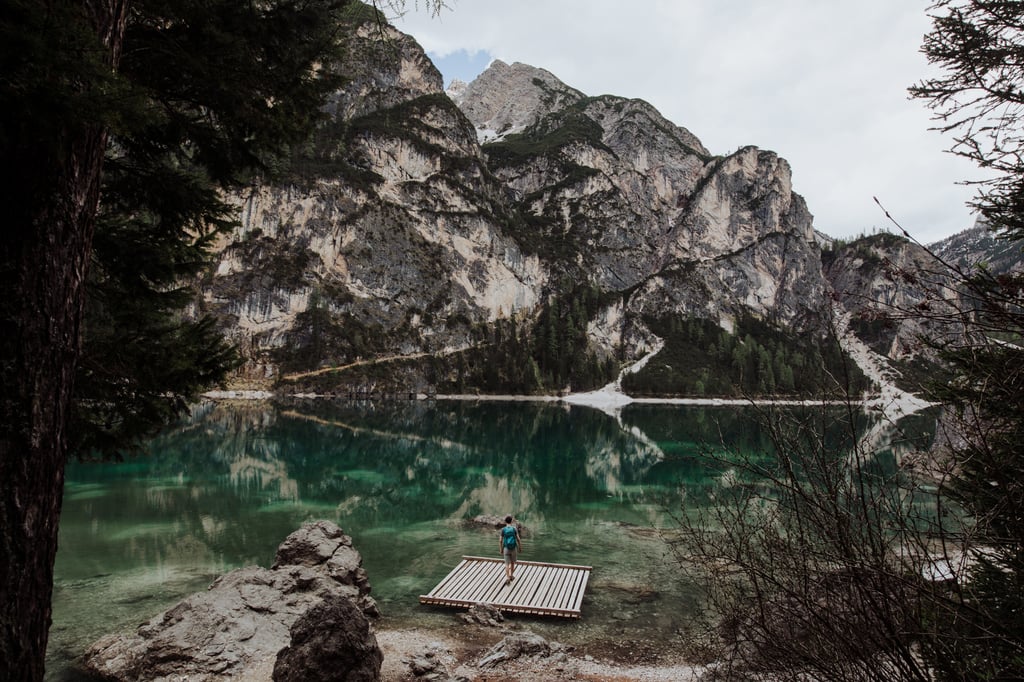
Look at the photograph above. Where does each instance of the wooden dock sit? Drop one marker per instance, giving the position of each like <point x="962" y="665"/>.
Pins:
<point x="539" y="588"/>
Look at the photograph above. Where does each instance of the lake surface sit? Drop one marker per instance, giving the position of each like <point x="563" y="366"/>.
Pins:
<point x="225" y="488"/>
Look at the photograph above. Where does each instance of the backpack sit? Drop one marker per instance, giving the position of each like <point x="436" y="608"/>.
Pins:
<point x="508" y="537"/>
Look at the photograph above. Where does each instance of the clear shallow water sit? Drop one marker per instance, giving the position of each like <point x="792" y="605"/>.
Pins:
<point x="224" y="490"/>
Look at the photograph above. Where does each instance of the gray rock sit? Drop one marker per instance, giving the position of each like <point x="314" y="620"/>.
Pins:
<point x="513" y="646"/>
<point x="244" y="617"/>
<point x="433" y="664"/>
<point x="483" y="614"/>
<point x="877" y="279"/>
<point x="488" y="521"/>
<point x="324" y="544"/>
<point x="330" y="642"/>
<point x="496" y="522"/>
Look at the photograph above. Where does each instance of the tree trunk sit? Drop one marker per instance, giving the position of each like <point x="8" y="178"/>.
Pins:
<point x="50" y="195"/>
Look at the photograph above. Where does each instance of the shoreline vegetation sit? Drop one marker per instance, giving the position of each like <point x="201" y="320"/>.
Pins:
<point x="607" y="399"/>
<point x="887" y="398"/>
<point x="596" y="399"/>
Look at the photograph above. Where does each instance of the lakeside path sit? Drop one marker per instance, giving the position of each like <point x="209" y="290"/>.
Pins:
<point x="371" y="361"/>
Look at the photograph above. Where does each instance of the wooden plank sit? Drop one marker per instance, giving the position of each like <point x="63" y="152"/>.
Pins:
<point x="479" y="573"/>
<point x="485" y="582"/>
<point x="569" y="590"/>
<point x="523" y="587"/>
<point x="561" y="600"/>
<point x="555" y="587"/>
<point x="544" y="596"/>
<point x="454" y="584"/>
<point x="461" y="584"/>
<point x="527" y="596"/>
<point x="550" y="584"/>
<point x="550" y="573"/>
<point x="455" y="571"/>
<point x="491" y="589"/>
<point x="572" y="587"/>
<point x="578" y="603"/>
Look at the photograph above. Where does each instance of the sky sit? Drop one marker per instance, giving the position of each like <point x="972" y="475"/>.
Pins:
<point x="823" y="83"/>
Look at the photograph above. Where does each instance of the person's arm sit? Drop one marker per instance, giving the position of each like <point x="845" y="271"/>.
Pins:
<point x="519" y="541"/>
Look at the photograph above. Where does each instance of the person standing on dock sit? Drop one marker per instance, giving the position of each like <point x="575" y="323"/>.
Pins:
<point x="510" y="544"/>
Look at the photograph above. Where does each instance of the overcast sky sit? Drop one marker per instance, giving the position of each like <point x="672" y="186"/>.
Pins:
<point x="823" y="83"/>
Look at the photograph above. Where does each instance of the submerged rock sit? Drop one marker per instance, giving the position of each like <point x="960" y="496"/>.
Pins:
<point x="496" y="522"/>
<point x="247" y="615"/>
<point x="488" y="521"/>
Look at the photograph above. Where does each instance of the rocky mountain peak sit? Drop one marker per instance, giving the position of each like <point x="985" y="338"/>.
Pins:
<point x="980" y="244"/>
<point x="383" y="67"/>
<point x="457" y="90"/>
<point x="506" y="98"/>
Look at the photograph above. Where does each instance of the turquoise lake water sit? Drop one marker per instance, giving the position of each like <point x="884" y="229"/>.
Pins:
<point x="225" y="488"/>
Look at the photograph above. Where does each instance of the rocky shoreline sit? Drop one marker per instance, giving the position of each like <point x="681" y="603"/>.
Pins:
<point x="415" y="654"/>
<point x="310" y="617"/>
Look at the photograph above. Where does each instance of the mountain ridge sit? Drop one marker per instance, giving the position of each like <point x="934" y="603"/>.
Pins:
<point x="527" y="238"/>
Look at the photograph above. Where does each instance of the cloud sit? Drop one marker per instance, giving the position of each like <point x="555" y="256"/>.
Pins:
<point x="822" y="84"/>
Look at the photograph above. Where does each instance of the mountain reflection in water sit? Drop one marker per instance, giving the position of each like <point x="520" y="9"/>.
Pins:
<point x="226" y="487"/>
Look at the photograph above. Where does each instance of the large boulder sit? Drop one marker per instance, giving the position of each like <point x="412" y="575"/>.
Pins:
<point x="246" y="616"/>
<point x="324" y="546"/>
<point x="332" y="642"/>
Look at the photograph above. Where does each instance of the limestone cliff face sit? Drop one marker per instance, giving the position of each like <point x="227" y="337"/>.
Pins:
<point x="901" y="296"/>
<point x="383" y="67"/>
<point x="396" y="234"/>
<point x="895" y="292"/>
<point x="389" y="238"/>
<point x="743" y="244"/>
<point x="619" y="195"/>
